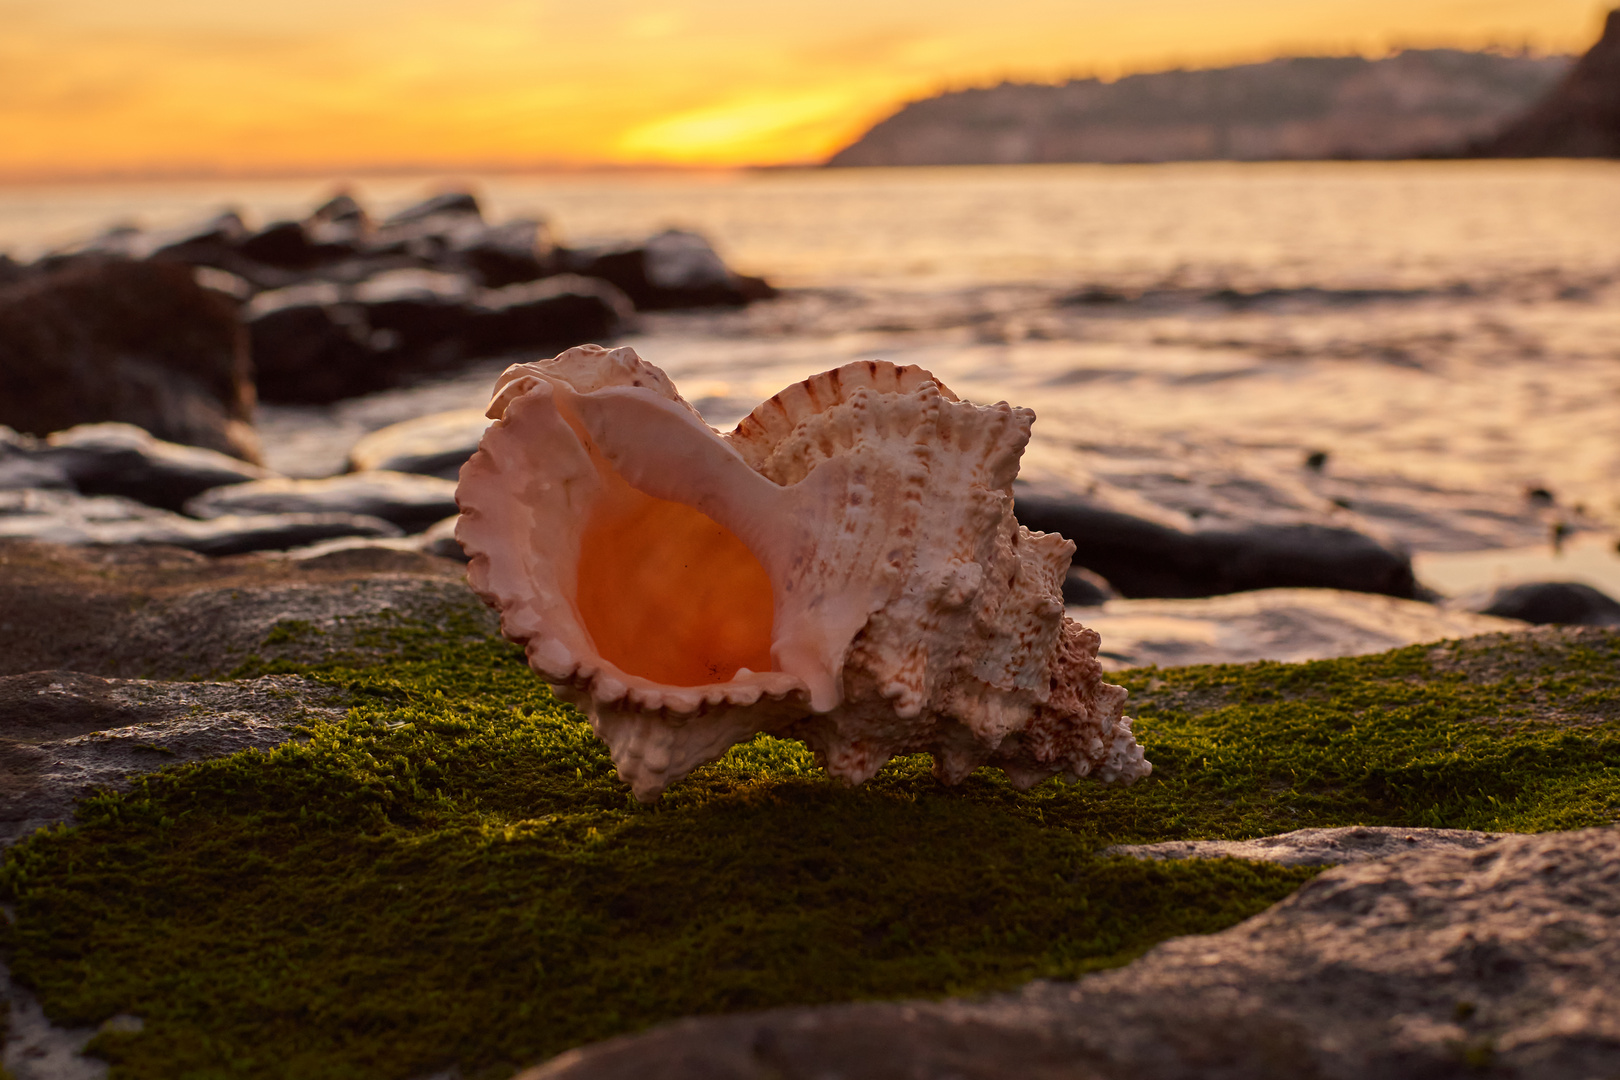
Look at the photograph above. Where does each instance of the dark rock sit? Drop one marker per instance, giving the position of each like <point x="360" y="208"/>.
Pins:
<point x="340" y="209"/>
<point x="552" y="314"/>
<point x="437" y="445"/>
<point x="450" y="203"/>
<point x="319" y="343"/>
<point x="122" y="459"/>
<point x="674" y="269"/>
<point x="286" y="246"/>
<point x="68" y="518"/>
<point x="1580" y="118"/>
<point x="1494" y="962"/>
<point x="1143" y="558"/>
<point x="411" y="502"/>
<point x="22" y="465"/>
<point x="11" y="271"/>
<point x="1554" y="602"/>
<point x="108" y="339"/>
<point x="441" y="540"/>
<point x="1085" y="588"/>
<point x="507" y="254"/>
<point x="64" y="734"/>
<point x="162" y="612"/>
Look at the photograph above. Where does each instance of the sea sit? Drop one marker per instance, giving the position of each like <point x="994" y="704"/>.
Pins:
<point x="1429" y="351"/>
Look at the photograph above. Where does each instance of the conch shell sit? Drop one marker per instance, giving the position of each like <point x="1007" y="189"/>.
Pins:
<point x="844" y="568"/>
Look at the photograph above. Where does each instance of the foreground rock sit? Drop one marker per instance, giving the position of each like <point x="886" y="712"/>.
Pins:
<point x="1141" y="557"/>
<point x="101" y="339"/>
<point x="160" y="612"/>
<point x="1272" y="624"/>
<point x="64" y="734"/>
<point x="1316" y="847"/>
<point x="1496" y="962"/>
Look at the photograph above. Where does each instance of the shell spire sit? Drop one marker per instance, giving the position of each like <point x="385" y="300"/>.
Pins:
<point x="842" y="568"/>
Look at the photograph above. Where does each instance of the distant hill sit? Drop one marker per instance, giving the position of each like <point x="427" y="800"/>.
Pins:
<point x="1419" y="103"/>
<point x="1580" y="118"/>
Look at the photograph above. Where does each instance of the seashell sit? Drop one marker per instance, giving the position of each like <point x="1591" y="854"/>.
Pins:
<point x="843" y="568"/>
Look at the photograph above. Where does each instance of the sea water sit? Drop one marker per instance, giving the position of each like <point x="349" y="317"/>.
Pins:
<point x="1427" y="350"/>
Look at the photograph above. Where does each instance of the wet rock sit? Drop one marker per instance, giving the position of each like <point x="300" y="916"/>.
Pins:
<point x="123" y="460"/>
<point x="1316" y="847"/>
<point x="288" y="245"/>
<point x="441" y="540"/>
<point x="1548" y="602"/>
<point x="104" y="339"/>
<point x="674" y="269"/>
<point x="437" y="445"/>
<point x="319" y="343"/>
<point x="1085" y="588"/>
<point x="69" y="518"/>
<point x="64" y="734"/>
<point x="163" y="612"/>
<point x="1145" y="558"/>
<point x="1290" y="625"/>
<point x="411" y="502"/>
<point x="1499" y="961"/>
<point x="22" y="466"/>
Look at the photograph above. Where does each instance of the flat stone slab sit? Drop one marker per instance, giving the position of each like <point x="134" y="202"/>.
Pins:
<point x="1502" y="961"/>
<point x="1315" y="847"/>
<point x="63" y="734"/>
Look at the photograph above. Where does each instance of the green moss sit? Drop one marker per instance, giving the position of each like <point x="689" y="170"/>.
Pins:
<point x="454" y="874"/>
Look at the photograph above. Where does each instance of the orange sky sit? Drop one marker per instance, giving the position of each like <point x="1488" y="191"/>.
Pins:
<point x="93" y="87"/>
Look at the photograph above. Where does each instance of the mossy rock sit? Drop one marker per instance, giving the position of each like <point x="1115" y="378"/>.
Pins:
<point x="453" y="874"/>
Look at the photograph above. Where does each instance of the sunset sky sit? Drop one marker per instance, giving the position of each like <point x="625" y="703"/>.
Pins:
<point x="98" y="87"/>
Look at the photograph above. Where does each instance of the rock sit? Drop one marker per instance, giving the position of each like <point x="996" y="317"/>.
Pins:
<point x="319" y="343"/>
<point x="674" y="269"/>
<point x="1562" y="602"/>
<point x="1084" y="588"/>
<point x="162" y="612"/>
<point x="101" y="339"/>
<point x="1499" y="961"/>
<point x="68" y="518"/>
<point x="441" y="540"/>
<point x="122" y="459"/>
<point x="453" y="204"/>
<point x="286" y="245"/>
<point x="1144" y="558"/>
<point x="411" y="502"/>
<point x="22" y="465"/>
<point x="436" y="445"/>
<point x="64" y="734"/>
<point x="1579" y="118"/>
<point x="1289" y="625"/>
<point x="560" y="311"/>
<point x="1315" y="847"/>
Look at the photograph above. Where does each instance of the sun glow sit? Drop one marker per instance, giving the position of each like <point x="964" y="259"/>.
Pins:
<point x="104" y="87"/>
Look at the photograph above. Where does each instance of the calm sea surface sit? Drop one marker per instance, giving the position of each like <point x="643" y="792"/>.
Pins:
<point x="1447" y="334"/>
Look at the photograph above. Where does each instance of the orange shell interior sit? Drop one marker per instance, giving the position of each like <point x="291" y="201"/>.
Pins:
<point x="668" y="593"/>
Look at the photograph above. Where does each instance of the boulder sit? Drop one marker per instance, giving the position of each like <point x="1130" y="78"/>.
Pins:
<point x="674" y="269"/>
<point x="1500" y="961"/>
<point x="1288" y="625"/>
<point x="107" y="339"/>
<point x="437" y="445"/>
<point x="1145" y="558"/>
<point x="124" y="460"/>
<point x="67" y="518"/>
<point x="22" y="466"/>
<point x="411" y="502"/>
<point x="1554" y="602"/>
<point x="321" y="342"/>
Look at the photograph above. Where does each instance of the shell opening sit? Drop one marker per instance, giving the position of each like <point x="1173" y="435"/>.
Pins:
<point x="668" y="593"/>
